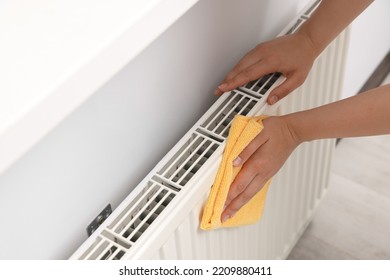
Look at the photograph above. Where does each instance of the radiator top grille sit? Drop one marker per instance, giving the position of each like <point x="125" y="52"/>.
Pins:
<point x="116" y="237"/>
<point x="219" y="121"/>
<point x="260" y="87"/>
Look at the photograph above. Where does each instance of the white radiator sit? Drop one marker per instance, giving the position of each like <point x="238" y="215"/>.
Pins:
<point x="160" y="218"/>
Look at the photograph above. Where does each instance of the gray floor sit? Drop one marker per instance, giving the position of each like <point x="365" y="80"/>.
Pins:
<point x="353" y="221"/>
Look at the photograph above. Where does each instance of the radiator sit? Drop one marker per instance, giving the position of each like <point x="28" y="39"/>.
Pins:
<point x="160" y="218"/>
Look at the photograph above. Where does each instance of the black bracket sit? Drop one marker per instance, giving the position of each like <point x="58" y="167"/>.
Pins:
<point x="99" y="219"/>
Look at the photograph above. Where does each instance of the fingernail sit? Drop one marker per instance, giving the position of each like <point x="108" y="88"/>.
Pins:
<point x="222" y="86"/>
<point x="224" y="218"/>
<point x="237" y="161"/>
<point x="273" y="99"/>
<point x="224" y="207"/>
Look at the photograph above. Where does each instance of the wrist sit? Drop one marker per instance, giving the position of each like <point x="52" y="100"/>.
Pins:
<point x="308" y="42"/>
<point x="294" y="128"/>
<point x="280" y="125"/>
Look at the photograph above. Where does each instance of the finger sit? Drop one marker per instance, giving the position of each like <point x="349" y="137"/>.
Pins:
<point x="249" y="170"/>
<point x="255" y="144"/>
<point x="248" y="60"/>
<point x="218" y="92"/>
<point x="285" y="88"/>
<point x="248" y="74"/>
<point x="253" y="188"/>
<point x="240" y="183"/>
<point x="241" y="66"/>
<point x="245" y="176"/>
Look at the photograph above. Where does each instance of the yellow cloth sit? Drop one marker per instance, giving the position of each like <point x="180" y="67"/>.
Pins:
<point x="243" y="130"/>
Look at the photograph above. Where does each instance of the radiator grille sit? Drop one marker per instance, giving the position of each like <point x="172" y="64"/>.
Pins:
<point x="220" y="120"/>
<point x="260" y="87"/>
<point x="189" y="159"/>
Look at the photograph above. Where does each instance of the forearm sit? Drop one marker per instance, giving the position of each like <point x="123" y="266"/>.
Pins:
<point x="329" y="19"/>
<point x="362" y="115"/>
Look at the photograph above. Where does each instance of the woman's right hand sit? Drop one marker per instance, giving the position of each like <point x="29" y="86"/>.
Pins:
<point x="260" y="161"/>
<point x="292" y="55"/>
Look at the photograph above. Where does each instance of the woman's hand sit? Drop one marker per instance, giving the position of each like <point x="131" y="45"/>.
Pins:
<point x="261" y="159"/>
<point x="292" y="55"/>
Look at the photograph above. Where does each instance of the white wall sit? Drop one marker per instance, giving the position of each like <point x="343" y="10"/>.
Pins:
<point x="369" y="44"/>
<point x="99" y="153"/>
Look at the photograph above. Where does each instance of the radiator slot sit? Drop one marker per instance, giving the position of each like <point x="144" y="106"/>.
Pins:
<point x="256" y="85"/>
<point x="312" y="8"/>
<point x="183" y="149"/>
<point x="221" y="114"/>
<point x="189" y="159"/>
<point x="106" y="249"/>
<point x="295" y="27"/>
<point x="193" y="157"/>
<point x="138" y="216"/>
<point x="142" y="219"/>
<point x="219" y="121"/>
<point x="270" y="83"/>
<point x="113" y="253"/>
<point x="260" y="87"/>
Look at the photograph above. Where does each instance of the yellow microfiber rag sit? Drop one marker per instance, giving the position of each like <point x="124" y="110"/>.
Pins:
<point x="242" y="131"/>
